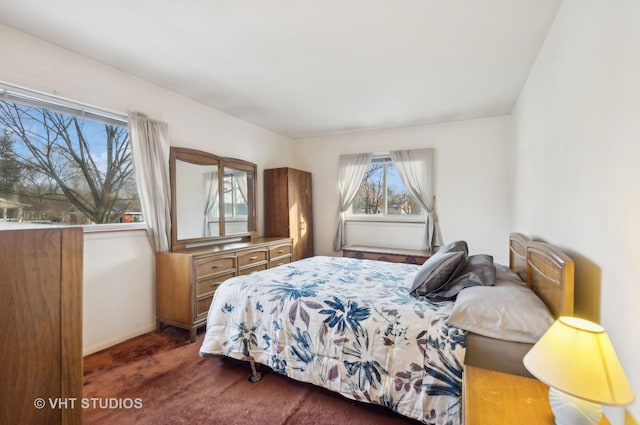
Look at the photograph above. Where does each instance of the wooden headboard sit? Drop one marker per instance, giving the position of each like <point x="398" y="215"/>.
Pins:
<point x="518" y="244"/>
<point x="548" y="271"/>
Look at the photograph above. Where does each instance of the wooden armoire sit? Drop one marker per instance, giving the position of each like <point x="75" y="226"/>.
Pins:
<point x="287" y="208"/>
<point x="41" y="325"/>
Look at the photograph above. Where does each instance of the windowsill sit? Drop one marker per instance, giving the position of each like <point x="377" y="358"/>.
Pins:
<point x="115" y="227"/>
<point x="87" y="228"/>
<point x="385" y="219"/>
<point x="114" y="231"/>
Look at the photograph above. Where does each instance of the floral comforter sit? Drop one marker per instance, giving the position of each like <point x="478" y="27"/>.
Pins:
<point x="347" y="325"/>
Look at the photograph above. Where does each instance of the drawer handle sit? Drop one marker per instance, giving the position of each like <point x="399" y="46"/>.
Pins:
<point x="216" y="266"/>
<point x="214" y="284"/>
<point x="280" y="251"/>
<point x="253" y="258"/>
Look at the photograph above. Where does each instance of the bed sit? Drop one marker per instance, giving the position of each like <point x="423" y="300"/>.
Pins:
<point x="353" y="326"/>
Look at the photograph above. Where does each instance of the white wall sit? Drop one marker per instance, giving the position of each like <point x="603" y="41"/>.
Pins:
<point x="118" y="292"/>
<point x="473" y="184"/>
<point x="118" y="267"/>
<point x="577" y="136"/>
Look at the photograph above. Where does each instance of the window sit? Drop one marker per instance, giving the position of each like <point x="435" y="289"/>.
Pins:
<point x="383" y="194"/>
<point x="60" y="163"/>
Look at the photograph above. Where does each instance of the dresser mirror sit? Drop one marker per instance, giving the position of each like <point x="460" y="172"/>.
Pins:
<point x="214" y="198"/>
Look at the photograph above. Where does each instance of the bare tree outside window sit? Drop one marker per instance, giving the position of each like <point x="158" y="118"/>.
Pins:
<point x="63" y="168"/>
<point x="370" y="197"/>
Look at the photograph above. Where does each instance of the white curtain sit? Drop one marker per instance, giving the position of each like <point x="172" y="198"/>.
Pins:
<point x="150" y="151"/>
<point x="351" y="171"/>
<point x="211" y="206"/>
<point x="241" y="180"/>
<point x="416" y="170"/>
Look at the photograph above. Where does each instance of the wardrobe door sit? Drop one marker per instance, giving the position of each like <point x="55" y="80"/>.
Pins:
<point x="300" y="213"/>
<point x="276" y="202"/>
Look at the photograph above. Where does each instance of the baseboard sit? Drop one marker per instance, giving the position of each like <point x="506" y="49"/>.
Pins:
<point x="110" y="343"/>
<point x="628" y="419"/>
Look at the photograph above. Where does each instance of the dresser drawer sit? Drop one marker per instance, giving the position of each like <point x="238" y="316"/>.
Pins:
<point x="279" y="250"/>
<point x="280" y="261"/>
<point x="210" y="284"/>
<point x="214" y="265"/>
<point x="202" y="307"/>
<point x="248" y="258"/>
<point x="250" y="270"/>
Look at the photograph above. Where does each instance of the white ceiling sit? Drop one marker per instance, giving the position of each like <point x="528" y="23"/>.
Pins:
<point x="306" y="68"/>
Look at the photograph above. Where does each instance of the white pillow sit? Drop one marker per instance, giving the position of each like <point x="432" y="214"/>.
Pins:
<point x="509" y="312"/>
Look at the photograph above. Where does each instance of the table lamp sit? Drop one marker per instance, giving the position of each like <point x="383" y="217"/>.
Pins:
<point x="576" y="360"/>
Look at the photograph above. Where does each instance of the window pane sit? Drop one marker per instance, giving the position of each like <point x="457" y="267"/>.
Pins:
<point x="370" y="197"/>
<point x="61" y="168"/>
<point x="399" y="201"/>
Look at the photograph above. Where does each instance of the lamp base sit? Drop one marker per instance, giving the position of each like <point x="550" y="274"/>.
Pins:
<point x="570" y="410"/>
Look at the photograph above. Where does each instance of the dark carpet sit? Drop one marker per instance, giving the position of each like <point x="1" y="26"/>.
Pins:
<point x="161" y="379"/>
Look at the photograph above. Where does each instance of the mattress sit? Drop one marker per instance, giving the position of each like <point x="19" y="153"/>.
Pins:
<point x="496" y="354"/>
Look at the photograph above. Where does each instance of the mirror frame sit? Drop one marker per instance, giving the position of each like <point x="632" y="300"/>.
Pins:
<point x="197" y="157"/>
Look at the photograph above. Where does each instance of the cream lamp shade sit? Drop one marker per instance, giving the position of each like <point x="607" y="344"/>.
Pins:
<point x="575" y="357"/>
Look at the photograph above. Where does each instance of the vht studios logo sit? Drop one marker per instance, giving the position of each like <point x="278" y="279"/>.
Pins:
<point x="88" y="403"/>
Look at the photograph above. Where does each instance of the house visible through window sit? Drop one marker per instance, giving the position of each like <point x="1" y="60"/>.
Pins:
<point x="382" y="192"/>
<point x="62" y="164"/>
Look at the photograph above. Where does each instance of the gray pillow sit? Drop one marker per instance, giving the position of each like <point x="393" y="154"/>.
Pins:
<point x="505" y="276"/>
<point x="440" y="268"/>
<point x="511" y="312"/>
<point x="455" y="246"/>
<point x="479" y="270"/>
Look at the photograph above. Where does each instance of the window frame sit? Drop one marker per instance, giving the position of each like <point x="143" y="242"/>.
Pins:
<point x="36" y="99"/>
<point x="350" y="216"/>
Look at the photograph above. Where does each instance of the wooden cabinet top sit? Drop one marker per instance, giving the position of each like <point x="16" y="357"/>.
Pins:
<point x="492" y="397"/>
<point x="233" y="246"/>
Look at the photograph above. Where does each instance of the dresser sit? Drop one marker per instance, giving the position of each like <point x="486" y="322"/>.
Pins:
<point x="288" y="208"/>
<point x="41" y="324"/>
<point x="392" y="255"/>
<point x="187" y="279"/>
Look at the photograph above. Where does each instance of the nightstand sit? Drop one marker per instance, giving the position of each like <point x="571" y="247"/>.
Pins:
<point x="494" y="398"/>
